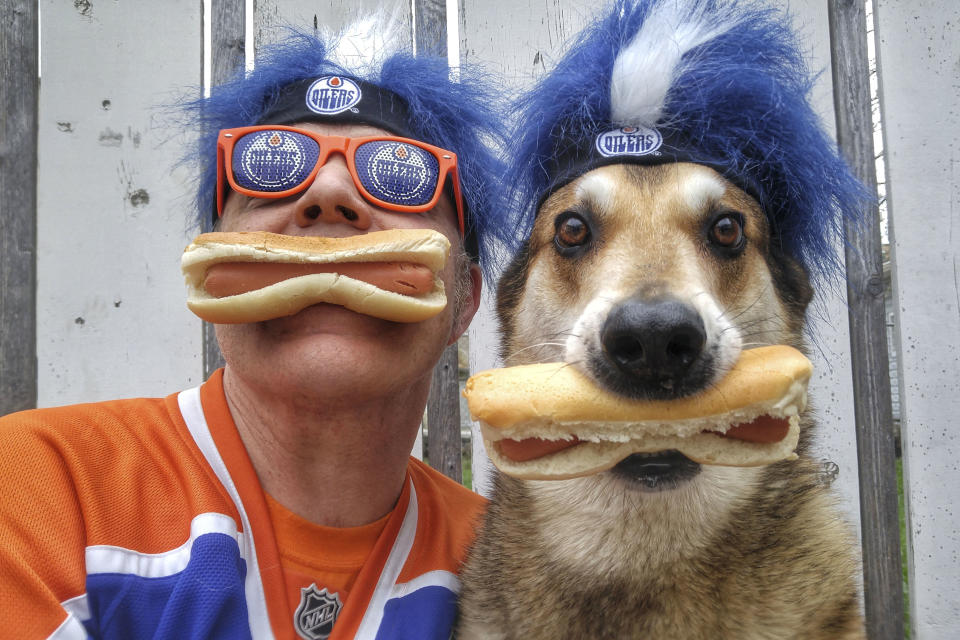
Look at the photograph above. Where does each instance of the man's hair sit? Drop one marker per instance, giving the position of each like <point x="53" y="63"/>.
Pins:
<point x="455" y="113"/>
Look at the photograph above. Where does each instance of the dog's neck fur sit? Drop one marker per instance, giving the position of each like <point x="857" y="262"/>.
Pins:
<point x="590" y="524"/>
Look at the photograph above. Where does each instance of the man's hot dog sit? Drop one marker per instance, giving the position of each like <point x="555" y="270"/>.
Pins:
<point x="234" y="278"/>
<point x="549" y="421"/>
<point x="250" y="277"/>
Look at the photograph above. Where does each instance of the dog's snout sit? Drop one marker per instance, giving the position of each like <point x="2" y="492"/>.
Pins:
<point x="653" y="341"/>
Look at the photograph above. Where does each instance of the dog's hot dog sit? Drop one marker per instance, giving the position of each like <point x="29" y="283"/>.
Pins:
<point x="550" y="421"/>
<point x="762" y="430"/>
<point x="250" y="277"/>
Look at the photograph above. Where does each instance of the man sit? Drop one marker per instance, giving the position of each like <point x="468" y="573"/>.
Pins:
<point x="278" y="499"/>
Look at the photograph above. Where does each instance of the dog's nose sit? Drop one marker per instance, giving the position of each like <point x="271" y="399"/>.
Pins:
<point x="653" y="341"/>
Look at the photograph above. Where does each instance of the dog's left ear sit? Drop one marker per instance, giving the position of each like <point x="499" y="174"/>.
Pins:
<point x="791" y="280"/>
<point x="467" y="307"/>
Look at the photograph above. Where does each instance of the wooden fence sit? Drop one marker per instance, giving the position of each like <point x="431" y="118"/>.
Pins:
<point x="92" y="222"/>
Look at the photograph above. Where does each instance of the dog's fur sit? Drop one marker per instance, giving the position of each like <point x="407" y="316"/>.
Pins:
<point x="730" y="553"/>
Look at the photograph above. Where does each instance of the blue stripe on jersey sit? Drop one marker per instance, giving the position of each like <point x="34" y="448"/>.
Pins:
<point x="425" y="614"/>
<point x="205" y="600"/>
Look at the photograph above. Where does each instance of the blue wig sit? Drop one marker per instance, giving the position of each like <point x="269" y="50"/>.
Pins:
<point x="454" y="114"/>
<point x="722" y="83"/>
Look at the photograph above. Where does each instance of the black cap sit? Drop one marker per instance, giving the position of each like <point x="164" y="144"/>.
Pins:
<point x="333" y="98"/>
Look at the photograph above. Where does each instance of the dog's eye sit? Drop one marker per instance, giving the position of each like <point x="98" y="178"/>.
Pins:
<point x="727" y="231"/>
<point x="571" y="231"/>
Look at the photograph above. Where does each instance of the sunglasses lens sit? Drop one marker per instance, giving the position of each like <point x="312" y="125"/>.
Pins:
<point x="273" y="160"/>
<point x="397" y="172"/>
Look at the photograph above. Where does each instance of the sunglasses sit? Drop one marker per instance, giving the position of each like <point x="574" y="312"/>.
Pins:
<point x="276" y="161"/>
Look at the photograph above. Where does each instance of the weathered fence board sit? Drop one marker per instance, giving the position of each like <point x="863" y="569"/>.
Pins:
<point x="228" y="28"/>
<point x="883" y="586"/>
<point x="18" y="206"/>
<point x="919" y="64"/>
<point x="112" y="218"/>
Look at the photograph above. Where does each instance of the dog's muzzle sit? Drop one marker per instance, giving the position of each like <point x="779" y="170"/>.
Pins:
<point x="653" y="348"/>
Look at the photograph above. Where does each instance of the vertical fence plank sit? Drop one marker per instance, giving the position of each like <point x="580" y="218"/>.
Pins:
<point x="227" y="55"/>
<point x="227" y="45"/>
<point x="112" y="217"/>
<point x="919" y="77"/>
<point x="880" y="538"/>
<point x="18" y="205"/>
<point x="443" y="416"/>
<point x="270" y="16"/>
<point x="430" y="29"/>
<point x="443" y="407"/>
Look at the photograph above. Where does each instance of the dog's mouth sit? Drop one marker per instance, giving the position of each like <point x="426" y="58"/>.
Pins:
<point x="656" y="471"/>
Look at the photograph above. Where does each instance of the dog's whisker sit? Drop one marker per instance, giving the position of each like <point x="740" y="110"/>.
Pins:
<point x="753" y="345"/>
<point x="759" y="332"/>
<point x="540" y="345"/>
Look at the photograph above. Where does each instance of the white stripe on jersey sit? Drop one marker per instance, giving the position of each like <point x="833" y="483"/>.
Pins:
<point x="391" y="571"/>
<point x="192" y="410"/>
<point x="78" y="606"/>
<point x="438" y="578"/>
<point x="111" y="559"/>
<point x="70" y="629"/>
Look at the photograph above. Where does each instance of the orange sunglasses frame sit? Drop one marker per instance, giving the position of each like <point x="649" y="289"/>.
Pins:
<point x="347" y="147"/>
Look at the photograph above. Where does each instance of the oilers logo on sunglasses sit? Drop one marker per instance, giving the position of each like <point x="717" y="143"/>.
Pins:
<point x="273" y="160"/>
<point x="397" y="172"/>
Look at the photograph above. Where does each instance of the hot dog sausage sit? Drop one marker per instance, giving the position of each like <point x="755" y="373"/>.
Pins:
<point x="232" y="278"/>
<point x="764" y="429"/>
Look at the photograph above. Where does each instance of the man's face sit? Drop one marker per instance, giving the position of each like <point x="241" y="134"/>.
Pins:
<point x="326" y="346"/>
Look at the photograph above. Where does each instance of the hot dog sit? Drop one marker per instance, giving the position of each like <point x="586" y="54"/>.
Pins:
<point x="233" y="278"/>
<point x="549" y="421"/>
<point x="255" y="276"/>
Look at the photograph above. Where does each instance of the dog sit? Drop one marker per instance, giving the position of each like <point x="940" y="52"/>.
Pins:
<point x="675" y="263"/>
<point x="679" y="200"/>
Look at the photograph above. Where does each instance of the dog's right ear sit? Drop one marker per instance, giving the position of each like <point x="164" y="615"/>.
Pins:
<point x="509" y="291"/>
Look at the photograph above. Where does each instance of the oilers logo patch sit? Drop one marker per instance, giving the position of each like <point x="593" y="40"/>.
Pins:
<point x="629" y="141"/>
<point x="274" y="160"/>
<point x="317" y="612"/>
<point x="397" y="172"/>
<point x="331" y="95"/>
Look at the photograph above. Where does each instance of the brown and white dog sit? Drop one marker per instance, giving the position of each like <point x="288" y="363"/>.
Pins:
<point x="682" y="199"/>
<point x="652" y="279"/>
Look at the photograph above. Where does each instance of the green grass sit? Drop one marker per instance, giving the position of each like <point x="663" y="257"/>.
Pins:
<point x="467" y="469"/>
<point x="903" y="549"/>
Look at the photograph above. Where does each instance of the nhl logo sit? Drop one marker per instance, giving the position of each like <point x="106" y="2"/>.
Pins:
<point x="331" y="95"/>
<point x="316" y="614"/>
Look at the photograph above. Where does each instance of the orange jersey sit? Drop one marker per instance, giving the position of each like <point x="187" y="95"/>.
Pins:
<point x="144" y="518"/>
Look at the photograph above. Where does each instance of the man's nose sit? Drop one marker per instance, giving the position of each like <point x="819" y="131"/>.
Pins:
<point x="333" y="198"/>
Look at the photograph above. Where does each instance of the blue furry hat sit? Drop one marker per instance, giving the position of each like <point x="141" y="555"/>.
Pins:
<point x="448" y="113"/>
<point x="721" y="83"/>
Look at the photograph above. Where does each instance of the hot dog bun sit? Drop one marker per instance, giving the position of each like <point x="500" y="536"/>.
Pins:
<point x="421" y="246"/>
<point x="556" y="402"/>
